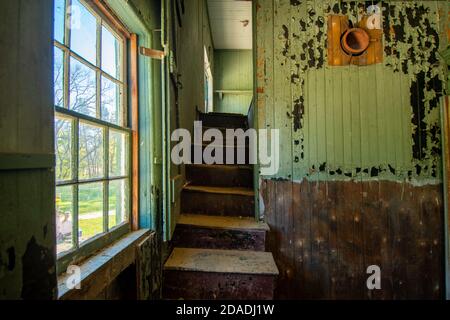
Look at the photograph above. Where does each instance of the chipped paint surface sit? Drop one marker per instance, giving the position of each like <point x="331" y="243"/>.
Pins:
<point x="373" y="122"/>
<point x="27" y="227"/>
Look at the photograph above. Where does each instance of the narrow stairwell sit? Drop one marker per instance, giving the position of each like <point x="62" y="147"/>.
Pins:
<point x="219" y="247"/>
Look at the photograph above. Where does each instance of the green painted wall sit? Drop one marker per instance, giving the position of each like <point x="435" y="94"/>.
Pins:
<point x="339" y="123"/>
<point x="27" y="227"/>
<point x="192" y="37"/>
<point x="233" y="71"/>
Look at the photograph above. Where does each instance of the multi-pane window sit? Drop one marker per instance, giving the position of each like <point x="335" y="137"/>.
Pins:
<point x="91" y="134"/>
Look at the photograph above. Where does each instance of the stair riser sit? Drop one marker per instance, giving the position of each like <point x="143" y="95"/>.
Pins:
<point x="220" y="177"/>
<point x="222" y="130"/>
<point x="237" y="150"/>
<point x="208" y="238"/>
<point x="224" y="121"/>
<point x="190" y="285"/>
<point x="217" y="204"/>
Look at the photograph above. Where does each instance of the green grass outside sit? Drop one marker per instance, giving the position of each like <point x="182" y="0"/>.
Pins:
<point x="90" y="202"/>
<point x="90" y="199"/>
<point x="93" y="227"/>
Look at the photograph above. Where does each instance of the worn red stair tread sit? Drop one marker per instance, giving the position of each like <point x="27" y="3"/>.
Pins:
<point x="220" y="190"/>
<point x="226" y="114"/>
<point x="222" y="261"/>
<point x="219" y="222"/>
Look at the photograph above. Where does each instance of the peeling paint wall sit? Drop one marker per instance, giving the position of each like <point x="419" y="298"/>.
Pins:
<point x="360" y="181"/>
<point x="27" y="214"/>
<point x="378" y="121"/>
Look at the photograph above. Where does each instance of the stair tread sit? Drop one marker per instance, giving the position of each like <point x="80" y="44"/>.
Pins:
<point x="222" y="166"/>
<point x="222" y="261"/>
<point x="221" y="190"/>
<point x="221" y="222"/>
<point x="223" y="114"/>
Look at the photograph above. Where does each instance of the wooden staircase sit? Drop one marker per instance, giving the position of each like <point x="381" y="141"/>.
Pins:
<point x="219" y="247"/>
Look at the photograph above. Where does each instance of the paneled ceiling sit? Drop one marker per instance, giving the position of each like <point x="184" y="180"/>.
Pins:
<point x="231" y="23"/>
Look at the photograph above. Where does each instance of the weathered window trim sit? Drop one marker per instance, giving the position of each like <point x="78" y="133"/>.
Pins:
<point x="101" y="269"/>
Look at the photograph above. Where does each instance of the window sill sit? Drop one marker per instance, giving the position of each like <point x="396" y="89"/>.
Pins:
<point x="101" y="269"/>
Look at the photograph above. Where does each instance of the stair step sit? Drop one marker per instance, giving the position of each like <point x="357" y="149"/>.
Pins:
<point x="221" y="190"/>
<point x="219" y="274"/>
<point x="218" y="175"/>
<point x="228" y="223"/>
<point x="224" y="120"/>
<point x="222" y="261"/>
<point x="210" y="232"/>
<point x="237" y="149"/>
<point x="218" y="201"/>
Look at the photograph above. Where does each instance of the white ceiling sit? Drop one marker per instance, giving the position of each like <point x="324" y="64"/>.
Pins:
<point x="228" y="30"/>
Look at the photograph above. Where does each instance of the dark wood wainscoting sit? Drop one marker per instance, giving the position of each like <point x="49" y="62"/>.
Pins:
<point x="324" y="235"/>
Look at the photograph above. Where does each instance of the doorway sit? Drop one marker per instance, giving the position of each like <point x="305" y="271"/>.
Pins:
<point x="232" y="33"/>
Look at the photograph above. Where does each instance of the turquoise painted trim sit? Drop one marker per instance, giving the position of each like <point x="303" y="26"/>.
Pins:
<point x="129" y="15"/>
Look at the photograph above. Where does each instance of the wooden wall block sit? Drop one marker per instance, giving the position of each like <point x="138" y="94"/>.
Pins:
<point x="374" y="53"/>
<point x="337" y="25"/>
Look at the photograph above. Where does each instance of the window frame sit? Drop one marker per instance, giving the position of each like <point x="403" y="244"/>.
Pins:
<point x="126" y="81"/>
